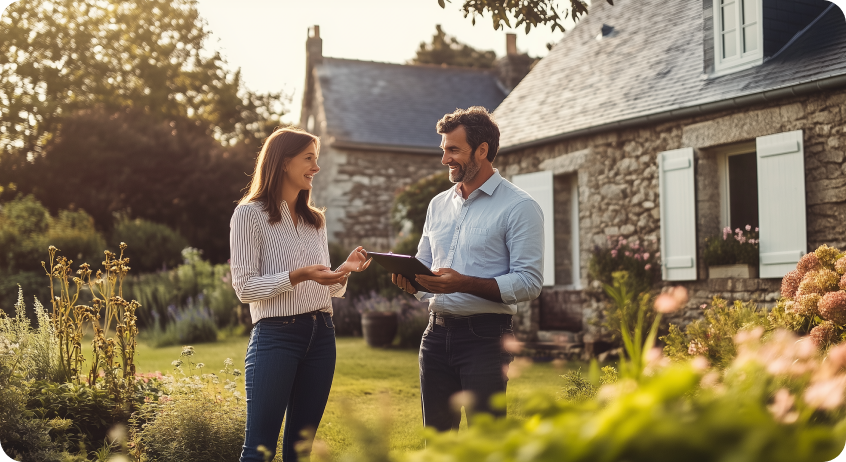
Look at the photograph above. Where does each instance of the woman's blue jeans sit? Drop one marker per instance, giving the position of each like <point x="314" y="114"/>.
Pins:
<point x="289" y="369"/>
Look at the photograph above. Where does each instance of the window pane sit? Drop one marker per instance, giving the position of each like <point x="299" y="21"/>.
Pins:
<point x="750" y="38"/>
<point x="729" y="16"/>
<point x="743" y="190"/>
<point x="749" y="15"/>
<point x="729" y="44"/>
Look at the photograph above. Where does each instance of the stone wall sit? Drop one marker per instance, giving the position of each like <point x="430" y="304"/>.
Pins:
<point x="618" y="186"/>
<point x="358" y="189"/>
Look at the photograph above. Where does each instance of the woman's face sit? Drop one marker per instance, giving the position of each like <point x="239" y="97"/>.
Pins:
<point x="300" y="170"/>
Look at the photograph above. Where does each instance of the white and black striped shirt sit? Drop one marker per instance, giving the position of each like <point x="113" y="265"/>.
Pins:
<point x="263" y="255"/>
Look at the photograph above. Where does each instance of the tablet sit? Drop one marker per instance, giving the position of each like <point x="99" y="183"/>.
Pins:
<point x="406" y="265"/>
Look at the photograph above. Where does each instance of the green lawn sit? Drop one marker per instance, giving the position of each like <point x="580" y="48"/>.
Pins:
<point x="374" y="384"/>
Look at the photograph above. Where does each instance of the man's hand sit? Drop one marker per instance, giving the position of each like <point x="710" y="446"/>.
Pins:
<point x="403" y="283"/>
<point x="445" y="281"/>
<point x="449" y="281"/>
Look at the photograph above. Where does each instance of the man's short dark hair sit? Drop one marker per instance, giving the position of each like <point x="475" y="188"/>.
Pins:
<point x="479" y="125"/>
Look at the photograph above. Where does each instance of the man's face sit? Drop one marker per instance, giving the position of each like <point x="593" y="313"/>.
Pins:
<point x="458" y="156"/>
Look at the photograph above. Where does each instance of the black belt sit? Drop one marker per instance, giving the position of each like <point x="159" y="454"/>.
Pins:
<point x="486" y="319"/>
<point x="289" y="319"/>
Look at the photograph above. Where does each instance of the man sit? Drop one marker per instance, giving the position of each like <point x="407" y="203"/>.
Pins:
<point x="483" y="239"/>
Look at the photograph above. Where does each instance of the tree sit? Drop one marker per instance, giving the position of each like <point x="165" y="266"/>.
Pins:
<point x="528" y="13"/>
<point x="60" y="56"/>
<point x="133" y="164"/>
<point x="446" y="49"/>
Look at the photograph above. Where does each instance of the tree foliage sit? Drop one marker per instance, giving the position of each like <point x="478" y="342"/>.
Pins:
<point x="130" y="163"/>
<point x="446" y="49"/>
<point x="60" y="56"/>
<point x="526" y="13"/>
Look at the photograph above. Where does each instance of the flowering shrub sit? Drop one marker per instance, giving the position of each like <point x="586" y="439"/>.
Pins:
<point x="192" y="324"/>
<point x="732" y="248"/>
<point x="777" y="401"/>
<point x="198" y="416"/>
<point x="640" y="261"/>
<point x="813" y="299"/>
<point x="712" y="336"/>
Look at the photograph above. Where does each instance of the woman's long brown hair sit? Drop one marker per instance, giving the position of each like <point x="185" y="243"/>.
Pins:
<point x="266" y="183"/>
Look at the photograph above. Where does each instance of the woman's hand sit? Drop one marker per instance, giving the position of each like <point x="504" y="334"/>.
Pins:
<point x="356" y="262"/>
<point x="320" y="274"/>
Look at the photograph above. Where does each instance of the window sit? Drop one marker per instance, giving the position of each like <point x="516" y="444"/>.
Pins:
<point x="738" y="35"/>
<point x="738" y="170"/>
<point x="566" y="227"/>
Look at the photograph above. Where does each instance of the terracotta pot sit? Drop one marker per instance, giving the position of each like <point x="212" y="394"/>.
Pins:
<point x="732" y="271"/>
<point x="379" y="328"/>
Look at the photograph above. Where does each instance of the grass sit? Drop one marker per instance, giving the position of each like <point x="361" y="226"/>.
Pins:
<point x="374" y="384"/>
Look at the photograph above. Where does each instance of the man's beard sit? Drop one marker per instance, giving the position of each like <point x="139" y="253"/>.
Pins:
<point x="465" y="173"/>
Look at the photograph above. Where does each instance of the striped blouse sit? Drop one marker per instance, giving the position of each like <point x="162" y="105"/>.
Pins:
<point x="263" y="255"/>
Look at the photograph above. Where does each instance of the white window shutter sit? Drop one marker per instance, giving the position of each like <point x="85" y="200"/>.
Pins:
<point x="678" y="215"/>
<point x="539" y="186"/>
<point x="781" y="202"/>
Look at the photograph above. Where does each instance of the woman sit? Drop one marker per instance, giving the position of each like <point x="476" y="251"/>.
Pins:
<point x="280" y="267"/>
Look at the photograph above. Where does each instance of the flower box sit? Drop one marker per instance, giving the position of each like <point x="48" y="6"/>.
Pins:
<point x="740" y="271"/>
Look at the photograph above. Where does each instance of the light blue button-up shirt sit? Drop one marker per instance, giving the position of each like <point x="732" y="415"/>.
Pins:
<point x="497" y="232"/>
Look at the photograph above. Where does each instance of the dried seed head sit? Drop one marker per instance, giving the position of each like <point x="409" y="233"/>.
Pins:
<point x="809" y="262"/>
<point x="824" y="334"/>
<point x="832" y="307"/>
<point x="827" y="256"/>
<point x="840" y="265"/>
<point x="790" y="284"/>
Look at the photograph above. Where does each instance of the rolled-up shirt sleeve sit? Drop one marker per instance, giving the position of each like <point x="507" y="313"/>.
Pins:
<point x="245" y="260"/>
<point x="524" y="239"/>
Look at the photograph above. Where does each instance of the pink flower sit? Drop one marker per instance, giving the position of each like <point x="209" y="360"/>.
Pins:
<point x="637" y="256"/>
<point x="703" y="306"/>
<point x="748" y="227"/>
<point x="738" y="231"/>
<point x="647" y="267"/>
<point x="628" y="254"/>
<point x="614" y="253"/>
<point x="672" y="300"/>
<point x="657" y="254"/>
<point x="756" y="229"/>
<point x="623" y="241"/>
<point x="646" y="255"/>
<point x="827" y="394"/>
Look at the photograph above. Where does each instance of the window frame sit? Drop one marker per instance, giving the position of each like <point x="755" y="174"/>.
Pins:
<point x="723" y="154"/>
<point x="742" y="60"/>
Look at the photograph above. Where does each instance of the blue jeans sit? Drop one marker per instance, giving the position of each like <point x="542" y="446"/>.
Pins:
<point x="463" y="354"/>
<point x="289" y="369"/>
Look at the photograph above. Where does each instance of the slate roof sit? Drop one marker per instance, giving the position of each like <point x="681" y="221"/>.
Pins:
<point x="398" y="105"/>
<point x="652" y="64"/>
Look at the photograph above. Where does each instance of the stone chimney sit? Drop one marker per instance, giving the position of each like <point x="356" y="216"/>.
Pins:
<point x="510" y="44"/>
<point x="511" y="68"/>
<point x="314" y="57"/>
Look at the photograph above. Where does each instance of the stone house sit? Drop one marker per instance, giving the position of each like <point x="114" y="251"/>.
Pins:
<point x="668" y="121"/>
<point x="377" y="122"/>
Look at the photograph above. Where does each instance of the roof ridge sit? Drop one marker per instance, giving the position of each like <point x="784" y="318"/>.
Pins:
<point x="405" y="65"/>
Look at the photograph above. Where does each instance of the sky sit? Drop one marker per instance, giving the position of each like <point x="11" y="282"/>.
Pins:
<point x="266" y="38"/>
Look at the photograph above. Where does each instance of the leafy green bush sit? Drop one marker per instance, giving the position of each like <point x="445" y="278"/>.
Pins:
<point x="161" y="247"/>
<point x="26" y="229"/>
<point x="23" y="435"/>
<point x="409" y="210"/>
<point x="740" y="247"/>
<point x="712" y="337"/>
<point x="36" y="347"/>
<point x="201" y="416"/>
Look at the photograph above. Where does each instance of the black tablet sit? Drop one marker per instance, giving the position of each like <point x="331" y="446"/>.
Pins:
<point x="406" y="265"/>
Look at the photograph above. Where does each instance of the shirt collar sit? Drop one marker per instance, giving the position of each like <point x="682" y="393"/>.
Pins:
<point x="488" y="187"/>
